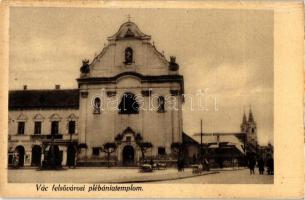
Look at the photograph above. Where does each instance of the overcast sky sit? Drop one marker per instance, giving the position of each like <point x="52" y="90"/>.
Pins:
<point x="228" y="53"/>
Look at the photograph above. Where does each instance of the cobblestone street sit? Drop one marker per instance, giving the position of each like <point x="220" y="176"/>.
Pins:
<point x="120" y="175"/>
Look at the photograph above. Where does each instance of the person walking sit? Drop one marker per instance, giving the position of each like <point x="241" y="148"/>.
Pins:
<point x="261" y="166"/>
<point x="182" y="165"/>
<point x="270" y="166"/>
<point x="179" y="165"/>
<point x="252" y="163"/>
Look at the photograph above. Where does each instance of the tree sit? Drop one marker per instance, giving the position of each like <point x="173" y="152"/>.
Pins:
<point x="144" y="146"/>
<point x="109" y="148"/>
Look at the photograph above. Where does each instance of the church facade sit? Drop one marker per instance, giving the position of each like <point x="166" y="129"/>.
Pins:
<point x="128" y="105"/>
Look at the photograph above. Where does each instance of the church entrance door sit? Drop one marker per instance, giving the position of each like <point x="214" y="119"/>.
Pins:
<point x="128" y="155"/>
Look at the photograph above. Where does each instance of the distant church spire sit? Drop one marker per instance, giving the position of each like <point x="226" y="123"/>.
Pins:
<point x="244" y="118"/>
<point x="251" y="118"/>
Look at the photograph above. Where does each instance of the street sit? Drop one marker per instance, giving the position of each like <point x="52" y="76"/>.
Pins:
<point x="119" y="175"/>
<point x="228" y="177"/>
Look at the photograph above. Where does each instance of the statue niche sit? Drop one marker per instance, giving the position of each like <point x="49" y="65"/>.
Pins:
<point x="128" y="56"/>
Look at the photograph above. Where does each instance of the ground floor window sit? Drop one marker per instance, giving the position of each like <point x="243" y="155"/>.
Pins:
<point x="161" y="151"/>
<point x="95" y="151"/>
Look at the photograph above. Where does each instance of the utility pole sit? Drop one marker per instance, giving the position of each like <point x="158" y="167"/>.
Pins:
<point x="201" y="140"/>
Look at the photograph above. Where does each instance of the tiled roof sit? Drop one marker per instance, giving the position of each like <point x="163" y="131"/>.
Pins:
<point x="44" y="99"/>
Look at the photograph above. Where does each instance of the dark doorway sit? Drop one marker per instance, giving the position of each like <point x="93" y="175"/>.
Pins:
<point x="71" y="151"/>
<point x="128" y="155"/>
<point x="36" y="155"/>
<point x="20" y="150"/>
<point x="53" y="157"/>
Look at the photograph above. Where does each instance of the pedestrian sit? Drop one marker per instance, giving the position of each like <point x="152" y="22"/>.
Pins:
<point x="200" y="168"/>
<point x="261" y="165"/>
<point x="16" y="160"/>
<point x="270" y="166"/>
<point x="151" y="163"/>
<point x="206" y="164"/>
<point x="182" y="164"/>
<point x="252" y="163"/>
<point x="179" y="165"/>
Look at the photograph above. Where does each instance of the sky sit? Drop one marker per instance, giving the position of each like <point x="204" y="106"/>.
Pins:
<point x="226" y="54"/>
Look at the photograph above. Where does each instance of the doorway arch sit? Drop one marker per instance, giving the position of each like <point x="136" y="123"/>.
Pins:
<point x="36" y="155"/>
<point x="21" y="151"/>
<point x="128" y="155"/>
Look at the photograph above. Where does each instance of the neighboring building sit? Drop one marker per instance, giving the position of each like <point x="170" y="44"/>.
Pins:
<point x="227" y="149"/>
<point x="37" y="115"/>
<point x="122" y="98"/>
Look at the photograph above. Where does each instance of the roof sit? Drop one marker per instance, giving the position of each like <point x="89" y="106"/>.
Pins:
<point x="43" y="99"/>
<point x="216" y="138"/>
<point x="188" y="139"/>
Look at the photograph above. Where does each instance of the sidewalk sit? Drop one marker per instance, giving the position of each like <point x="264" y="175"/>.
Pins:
<point x="98" y="175"/>
<point x="228" y="169"/>
<point x="159" y="175"/>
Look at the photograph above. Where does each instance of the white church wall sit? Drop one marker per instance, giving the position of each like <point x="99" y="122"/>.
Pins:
<point x="147" y="60"/>
<point x="161" y="129"/>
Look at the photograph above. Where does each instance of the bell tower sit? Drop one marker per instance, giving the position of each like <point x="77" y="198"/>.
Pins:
<point x="251" y="129"/>
<point x="244" y="125"/>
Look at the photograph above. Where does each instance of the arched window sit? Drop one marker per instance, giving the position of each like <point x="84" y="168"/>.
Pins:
<point x="97" y="106"/>
<point x="161" y="104"/>
<point x="128" y="55"/>
<point x="128" y="104"/>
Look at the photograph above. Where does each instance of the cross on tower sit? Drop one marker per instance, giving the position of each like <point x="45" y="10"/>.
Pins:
<point x="128" y="17"/>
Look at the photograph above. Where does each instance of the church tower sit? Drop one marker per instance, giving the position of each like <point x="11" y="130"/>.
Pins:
<point x="251" y="129"/>
<point x="243" y="126"/>
<point x="248" y="126"/>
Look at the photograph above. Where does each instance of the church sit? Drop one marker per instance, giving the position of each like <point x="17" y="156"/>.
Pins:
<point x="128" y="105"/>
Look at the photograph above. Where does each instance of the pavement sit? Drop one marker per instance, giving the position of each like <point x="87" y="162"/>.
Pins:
<point x="225" y="176"/>
<point x="132" y="175"/>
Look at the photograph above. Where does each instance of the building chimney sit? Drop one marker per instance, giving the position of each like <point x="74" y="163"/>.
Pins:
<point x="25" y="87"/>
<point x="57" y="87"/>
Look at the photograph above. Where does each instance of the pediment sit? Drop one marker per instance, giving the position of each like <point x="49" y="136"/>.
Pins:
<point x="129" y="81"/>
<point x="72" y="117"/>
<point x="55" y="117"/>
<point x="22" y="117"/>
<point x="38" y="117"/>
<point x="129" y="30"/>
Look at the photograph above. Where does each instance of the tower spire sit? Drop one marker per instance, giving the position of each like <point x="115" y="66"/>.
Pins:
<point x="244" y="118"/>
<point x="251" y="118"/>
